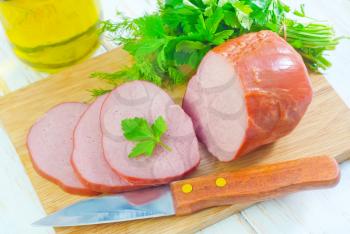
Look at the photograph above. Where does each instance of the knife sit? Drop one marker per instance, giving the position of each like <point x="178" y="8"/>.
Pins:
<point x="187" y="196"/>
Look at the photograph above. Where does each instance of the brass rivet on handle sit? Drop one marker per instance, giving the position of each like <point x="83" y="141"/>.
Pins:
<point x="186" y="188"/>
<point x="220" y="182"/>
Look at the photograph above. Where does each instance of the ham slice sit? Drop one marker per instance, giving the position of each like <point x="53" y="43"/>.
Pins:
<point x="145" y="100"/>
<point x="88" y="160"/>
<point x="145" y="196"/>
<point x="247" y="92"/>
<point x="50" y="143"/>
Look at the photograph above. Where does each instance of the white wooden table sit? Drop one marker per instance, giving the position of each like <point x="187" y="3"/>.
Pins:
<point x="323" y="211"/>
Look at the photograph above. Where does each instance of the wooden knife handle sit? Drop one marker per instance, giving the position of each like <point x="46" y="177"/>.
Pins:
<point x="254" y="183"/>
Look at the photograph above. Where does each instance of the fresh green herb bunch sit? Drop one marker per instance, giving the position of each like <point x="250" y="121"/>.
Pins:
<point x="168" y="45"/>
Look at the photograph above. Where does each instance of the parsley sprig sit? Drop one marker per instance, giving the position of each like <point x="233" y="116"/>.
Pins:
<point x="145" y="136"/>
<point x="168" y="45"/>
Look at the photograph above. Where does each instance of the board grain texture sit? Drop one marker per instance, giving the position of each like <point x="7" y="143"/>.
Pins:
<point x="325" y="129"/>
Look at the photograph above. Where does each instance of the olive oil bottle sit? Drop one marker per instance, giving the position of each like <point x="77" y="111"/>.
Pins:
<point x="51" y="34"/>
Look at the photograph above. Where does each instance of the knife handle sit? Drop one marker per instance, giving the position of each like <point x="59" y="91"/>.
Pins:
<point x="253" y="184"/>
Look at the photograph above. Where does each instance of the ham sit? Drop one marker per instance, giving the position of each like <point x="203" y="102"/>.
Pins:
<point x="50" y="144"/>
<point x="88" y="160"/>
<point x="145" y="100"/>
<point x="144" y="196"/>
<point x="247" y="92"/>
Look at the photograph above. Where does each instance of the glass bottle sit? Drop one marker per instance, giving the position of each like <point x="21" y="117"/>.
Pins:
<point x="51" y="34"/>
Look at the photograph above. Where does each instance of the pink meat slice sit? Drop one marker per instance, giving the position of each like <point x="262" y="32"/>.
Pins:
<point x="247" y="92"/>
<point x="145" y="100"/>
<point x="88" y="160"/>
<point x="50" y="144"/>
<point x="145" y="196"/>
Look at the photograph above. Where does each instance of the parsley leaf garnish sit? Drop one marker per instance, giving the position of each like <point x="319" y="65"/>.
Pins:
<point x="168" y="45"/>
<point x="145" y="136"/>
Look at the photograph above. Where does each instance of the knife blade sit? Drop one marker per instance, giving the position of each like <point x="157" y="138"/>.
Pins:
<point x="107" y="209"/>
<point x="183" y="197"/>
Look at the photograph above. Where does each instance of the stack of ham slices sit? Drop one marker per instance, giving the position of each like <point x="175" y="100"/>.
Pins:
<point x="82" y="148"/>
<point x="248" y="92"/>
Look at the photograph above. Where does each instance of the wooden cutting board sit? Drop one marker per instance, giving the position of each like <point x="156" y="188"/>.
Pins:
<point x="325" y="129"/>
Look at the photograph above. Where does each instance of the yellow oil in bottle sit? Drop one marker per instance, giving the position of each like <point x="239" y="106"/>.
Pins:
<point x="50" y="34"/>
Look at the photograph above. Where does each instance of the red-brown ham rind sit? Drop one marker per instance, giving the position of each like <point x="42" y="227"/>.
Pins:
<point x="50" y="144"/>
<point x="272" y="89"/>
<point x="88" y="160"/>
<point x="145" y="100"/>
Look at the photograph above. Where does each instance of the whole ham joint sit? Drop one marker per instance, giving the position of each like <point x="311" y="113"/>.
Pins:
<point x="247" y="92"/>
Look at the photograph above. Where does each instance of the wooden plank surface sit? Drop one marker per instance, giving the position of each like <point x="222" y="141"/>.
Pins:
<point x="324" y="130"/>
<point x="19" y="192"/>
